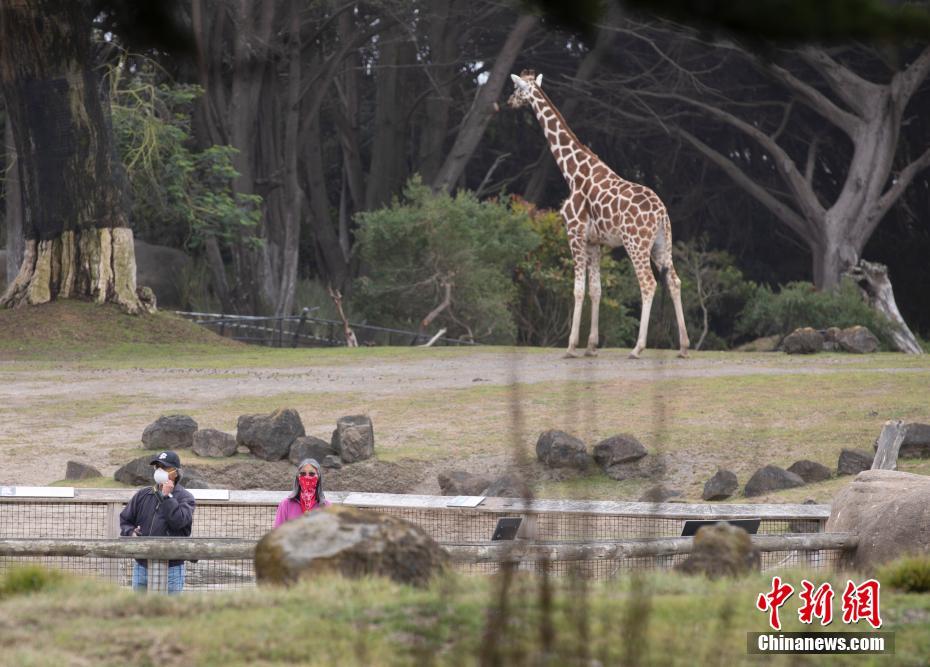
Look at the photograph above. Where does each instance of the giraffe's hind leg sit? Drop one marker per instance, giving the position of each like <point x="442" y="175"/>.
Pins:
<point x="662" y="255"/>
<point x="647" y="290"/>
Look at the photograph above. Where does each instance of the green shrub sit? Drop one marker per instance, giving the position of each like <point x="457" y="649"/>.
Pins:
<point x="25" y="579"/>
<point x="452" y="256"/>
<point x="179" y="193"/>
<point x="545" y="281"/>
<point x="800" y="304"/>
<point x="911" y="574"/>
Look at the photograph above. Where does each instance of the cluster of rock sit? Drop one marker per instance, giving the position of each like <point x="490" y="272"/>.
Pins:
<point x="723" y="484"/>
<point x="620" y="457"/>
<point x="856" y="339"/>
<point x="278" y="436"/>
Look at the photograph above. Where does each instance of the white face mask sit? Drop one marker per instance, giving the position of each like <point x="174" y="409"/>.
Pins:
<point x="160" y="475"/>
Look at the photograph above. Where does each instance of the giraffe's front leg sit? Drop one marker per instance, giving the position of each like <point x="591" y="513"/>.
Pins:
<point x="594" y="291"/>
<point x="579" y="303"/>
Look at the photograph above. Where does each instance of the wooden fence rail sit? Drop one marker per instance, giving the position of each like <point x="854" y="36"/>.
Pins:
<point x="192" y="548"/>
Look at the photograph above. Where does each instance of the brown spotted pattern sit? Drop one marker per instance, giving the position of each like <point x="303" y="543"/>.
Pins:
<point x="604" y="210"/>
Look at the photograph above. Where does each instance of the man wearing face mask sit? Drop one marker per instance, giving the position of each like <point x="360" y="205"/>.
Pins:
<point x="163" y="510"/>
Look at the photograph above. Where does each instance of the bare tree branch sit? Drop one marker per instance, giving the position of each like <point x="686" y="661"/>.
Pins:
<point x="799" y="186"/>
<point x="845" y="84"/>
<point x="817" y="101"/>
<point x="783" y="212"/>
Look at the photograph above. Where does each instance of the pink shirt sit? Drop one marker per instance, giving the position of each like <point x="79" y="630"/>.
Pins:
<point x="289" y="508"/>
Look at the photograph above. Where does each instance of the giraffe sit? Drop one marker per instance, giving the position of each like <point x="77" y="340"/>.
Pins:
<point x="603" y="209"/>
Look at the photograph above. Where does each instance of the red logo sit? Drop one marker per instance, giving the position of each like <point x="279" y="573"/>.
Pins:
<point x="817" y="603"/>
<point x="774" y="599"/>
<point x="861" y="602"/>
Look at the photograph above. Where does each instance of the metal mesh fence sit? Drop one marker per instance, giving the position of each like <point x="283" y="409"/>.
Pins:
<point x="40" y="519"/>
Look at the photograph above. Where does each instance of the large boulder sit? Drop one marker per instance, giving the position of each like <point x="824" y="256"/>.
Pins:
<point x="170" y="432"/>
<point x="721" y="550"/>
<point x="214" y="444"/>
<point x="854" y="461"/>
<point x="309" y="447"/>
<point x="803" y="341"/>
<point x="771" y="478"/>
<point x="858" y="340"/>
<point x="137" y="472"/>
<point x="238" y="474"/>
<point x="810" y="471"/>
<point x="163" y="269"/>
<point x="890" y="512"/>
<point x="916" y="443"/>
<point x="721" y="486"/>
<point x="354" y="438"/>
<point x="462" y="483"/>
<point x="507" y="486"/>
<point x="617" y="449"/>
<point x="558" y="449"/>
<point x="78" y="470"/>
<point x="269" y="437"/>
<point x="352" y="542"/>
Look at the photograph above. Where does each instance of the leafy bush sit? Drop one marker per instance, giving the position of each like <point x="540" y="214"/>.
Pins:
<point x="911" y="574"/>
<point x="800" y="304"/>
<point x="713" y="292"/>
<point x="26" y="579"/>
<point x="435" y="261"/>
<point x="545" y="282"/>
<point x="179" y="193"/>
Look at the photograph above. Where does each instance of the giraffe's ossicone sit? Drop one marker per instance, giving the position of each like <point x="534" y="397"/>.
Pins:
<point x="603" y="209"/>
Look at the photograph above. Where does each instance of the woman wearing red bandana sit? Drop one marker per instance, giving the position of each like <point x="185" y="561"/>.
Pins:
<point x="307" y="494"/>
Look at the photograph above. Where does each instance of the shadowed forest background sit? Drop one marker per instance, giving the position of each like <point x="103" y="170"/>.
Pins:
<point x="365" y="146"/>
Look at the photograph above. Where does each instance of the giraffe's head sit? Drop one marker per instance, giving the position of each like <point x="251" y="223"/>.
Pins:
<point x="523" y="88"/>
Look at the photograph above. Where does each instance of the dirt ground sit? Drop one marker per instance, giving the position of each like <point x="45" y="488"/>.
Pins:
<point x="48" y="417"/>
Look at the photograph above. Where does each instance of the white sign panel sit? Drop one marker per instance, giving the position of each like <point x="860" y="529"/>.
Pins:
<point x="38" y="491"/>
<point x="210" y="494"/>
<point x="465" y="501"/>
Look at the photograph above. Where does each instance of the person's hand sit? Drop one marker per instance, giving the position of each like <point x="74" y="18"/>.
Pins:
<point x="167" y="487"/>
<point x="136" y="532"/>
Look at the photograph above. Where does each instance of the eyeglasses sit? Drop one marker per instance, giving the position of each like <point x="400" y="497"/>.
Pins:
<point x="306" y="474"/>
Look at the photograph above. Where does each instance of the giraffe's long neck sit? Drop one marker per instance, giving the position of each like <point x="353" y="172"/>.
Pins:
<point x="567" y="149"/>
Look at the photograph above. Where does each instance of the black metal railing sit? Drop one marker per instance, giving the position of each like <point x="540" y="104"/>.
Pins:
<point x="304" y="330"/>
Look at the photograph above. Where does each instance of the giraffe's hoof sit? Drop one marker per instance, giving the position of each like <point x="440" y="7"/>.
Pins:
<point x="570" y="354"/>
<point x="591" y="352"/>
<point x="633" y="355"/>
<point x="683" y="354"/>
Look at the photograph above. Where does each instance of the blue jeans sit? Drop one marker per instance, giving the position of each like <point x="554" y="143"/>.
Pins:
<point x="140" y="577"/>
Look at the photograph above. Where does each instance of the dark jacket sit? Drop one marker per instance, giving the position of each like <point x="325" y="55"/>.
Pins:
<point x="159" y="516"/>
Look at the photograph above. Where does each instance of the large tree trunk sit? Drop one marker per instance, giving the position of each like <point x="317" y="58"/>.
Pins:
<point x="292" y="204"/>
<point x="478" y="116"/>
<point x="873" y="279"/>
<point x="14" y="208"/>
<point x="77" y="241"/>
<point x="388" y="169"/>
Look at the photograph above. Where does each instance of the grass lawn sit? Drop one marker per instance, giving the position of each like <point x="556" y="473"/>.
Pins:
<point x="476" y="408"/>
<point x="654" y="619"/>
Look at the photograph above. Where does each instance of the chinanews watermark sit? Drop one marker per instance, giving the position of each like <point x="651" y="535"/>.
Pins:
<point x="858" y="604"/>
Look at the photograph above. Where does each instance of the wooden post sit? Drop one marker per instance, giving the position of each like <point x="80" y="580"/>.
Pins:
<point x="110" y="569"/>
<point x="889" y="443"/>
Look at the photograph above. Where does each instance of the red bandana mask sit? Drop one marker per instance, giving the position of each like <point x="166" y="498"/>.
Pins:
<point x="308" y="492"/>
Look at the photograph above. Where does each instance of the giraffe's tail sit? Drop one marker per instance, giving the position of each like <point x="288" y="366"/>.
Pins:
<point x="662" y="244"/>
